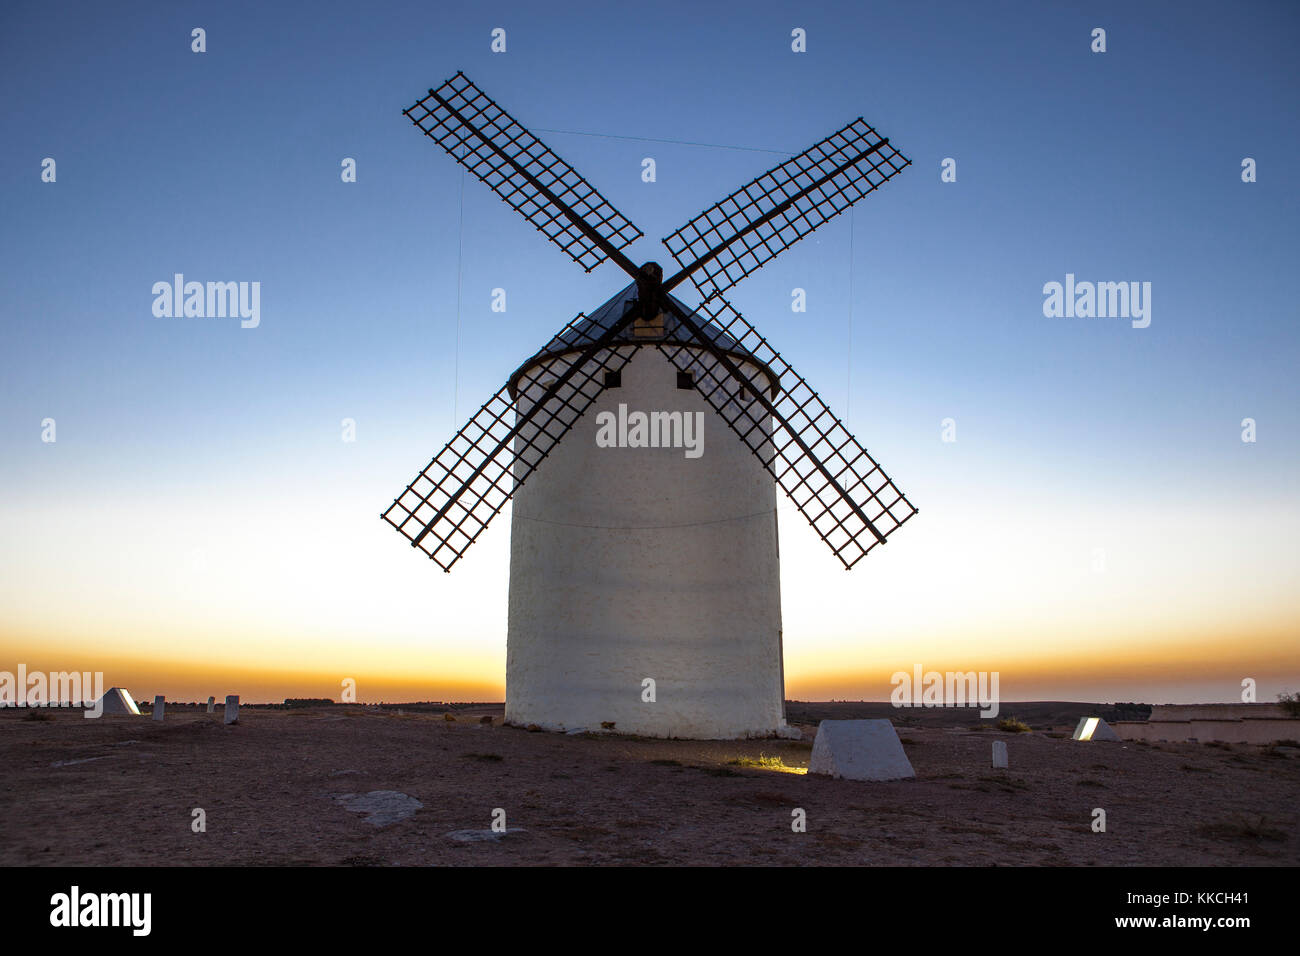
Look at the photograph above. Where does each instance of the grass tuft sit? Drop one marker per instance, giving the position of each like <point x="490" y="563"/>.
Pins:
<point x="764" y="762"/>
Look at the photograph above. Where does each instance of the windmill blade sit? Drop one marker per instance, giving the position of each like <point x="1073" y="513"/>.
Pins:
<point x="524" y="172"/>
<point x="763" y="218"/>
<point x="454" y="498"/>
<point x="845" y="495"/>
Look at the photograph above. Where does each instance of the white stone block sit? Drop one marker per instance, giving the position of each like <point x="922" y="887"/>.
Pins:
<point x="859" y="750"/>
<point x="159" y="705"/>
<point x="1094" y="728"/>
<point x="1000" y="754"/>
<point x="118" y="701"/>
<point x="212" y="705"/>
<point x="232" y="708"/>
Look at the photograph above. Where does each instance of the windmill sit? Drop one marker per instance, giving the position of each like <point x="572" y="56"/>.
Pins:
<point x="644" y="583"/>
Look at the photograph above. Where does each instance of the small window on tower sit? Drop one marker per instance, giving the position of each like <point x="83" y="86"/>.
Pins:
<point x="685" y="379"/>
<point x="614" y="379"/>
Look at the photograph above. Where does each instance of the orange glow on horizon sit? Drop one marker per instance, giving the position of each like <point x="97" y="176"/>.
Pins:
<point x="1058" y="671"/>
<point x="258" y="603"/>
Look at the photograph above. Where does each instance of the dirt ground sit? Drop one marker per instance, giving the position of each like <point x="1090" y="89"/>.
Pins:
<point x="123" y="790"/>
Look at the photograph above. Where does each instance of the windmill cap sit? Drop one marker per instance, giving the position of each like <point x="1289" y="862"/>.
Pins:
<point x="577" y="338"/>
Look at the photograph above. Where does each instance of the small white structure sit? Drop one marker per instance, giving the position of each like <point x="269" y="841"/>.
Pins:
<point x="1000" y="754"/>
<point x="118" y="701"/>
<point x="1094" y="728"/>
<point x="859" y="750"/>
<point x="636" y="564"/>
<point x="212" y="705"/>
<point x="232" y="708"/>
<point x="159" y="706"/>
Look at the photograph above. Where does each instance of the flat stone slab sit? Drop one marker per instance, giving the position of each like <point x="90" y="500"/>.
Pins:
<point x="859" y="750"/>
<point x="69" y="763"/>
<point x="382" y="807"/>
<point x="483" y="836"/>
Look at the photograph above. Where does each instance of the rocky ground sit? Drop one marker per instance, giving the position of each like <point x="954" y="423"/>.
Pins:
<point x="298" y="787"/>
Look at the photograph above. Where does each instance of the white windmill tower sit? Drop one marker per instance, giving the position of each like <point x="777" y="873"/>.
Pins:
<point x="644" y="562"/>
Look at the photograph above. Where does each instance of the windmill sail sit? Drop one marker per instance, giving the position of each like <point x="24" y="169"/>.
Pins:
<point x="833" y="481"/>
<point x="454" y="497"/>
<point x="524" y="172"/>
<point x="763" y="218"/>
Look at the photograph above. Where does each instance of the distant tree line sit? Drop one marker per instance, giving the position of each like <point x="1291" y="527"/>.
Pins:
<point x="1126" y="711"/>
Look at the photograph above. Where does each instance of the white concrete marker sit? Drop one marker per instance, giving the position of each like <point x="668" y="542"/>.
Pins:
<point x="159" y="705"/>
<point x="859" y="750"/>
<point x="118" y="701"/>
<point x="232" y="708"/>
<point x="1000" y="754"/>
<point x="1094" y="728"/>
<point x="212" y="705"/>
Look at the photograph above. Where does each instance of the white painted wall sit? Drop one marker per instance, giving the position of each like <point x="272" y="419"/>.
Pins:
<point x="627" y="563"/>
<point x="1246" y="730"/>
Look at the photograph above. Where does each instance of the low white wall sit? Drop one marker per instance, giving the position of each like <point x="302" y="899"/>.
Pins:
<point x="1164" y="712"/>
<point x="1252" y="730"/>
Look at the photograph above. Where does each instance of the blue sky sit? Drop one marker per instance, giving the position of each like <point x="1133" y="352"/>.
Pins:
<point x="225" y="166"/>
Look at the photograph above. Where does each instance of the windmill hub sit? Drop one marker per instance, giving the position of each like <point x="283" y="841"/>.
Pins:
<point x="636" y="569"/>
<point x="649" y="286"/>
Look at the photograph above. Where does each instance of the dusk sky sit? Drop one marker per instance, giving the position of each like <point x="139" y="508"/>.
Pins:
<point x="1097" y="531"/>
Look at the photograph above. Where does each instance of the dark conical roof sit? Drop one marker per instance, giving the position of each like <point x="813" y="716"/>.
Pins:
<point x="582" y="334"/>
